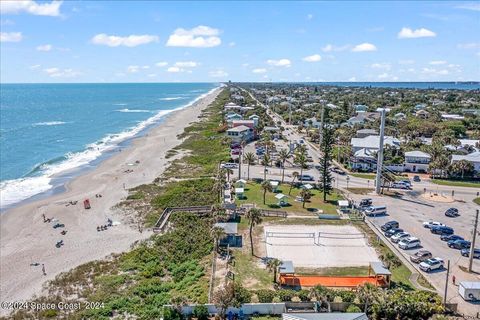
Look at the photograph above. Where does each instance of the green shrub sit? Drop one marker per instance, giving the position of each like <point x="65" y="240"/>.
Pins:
<point x="200" y="312"/>
<point x="353" y="309"/>
<point x="265" y="296"/>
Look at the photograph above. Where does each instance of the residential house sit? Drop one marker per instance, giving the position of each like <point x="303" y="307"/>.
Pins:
<point x="372" y="143"/>
<point x="362" y="133"/>
<point x="255" y="119"/>
<point x="452" y="117"/>
<point x="420" y="106"/>
<point x="360" y="108"/>
<point x="422" y="114"/>
<point x="466" y="146"/>
<point x="417" y="161"/>
<point x="274" y="131"/>
<point x="312" y="122"/>
<point x="364" y="152"/>
<point x="240" y="133"/>
<point x="361" y="117"/>
<point x="246" y="123"/>
<point x="363" y="160"/>
<point x="399" y="116"/>
<point x="474" y="158"/>
<point x="232" y="106"/>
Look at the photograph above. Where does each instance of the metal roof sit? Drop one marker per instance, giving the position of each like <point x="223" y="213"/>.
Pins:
<point x="286" y="267"/>
<point x="379" y="269"/>
<point x="470" y="284"/>
<point x="229" y="227"/>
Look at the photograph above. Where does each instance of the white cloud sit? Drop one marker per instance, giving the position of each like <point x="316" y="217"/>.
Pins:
<point x="11" y="36"/>
<point x="6" y="22"/>
<point x="471" y="45"/>
<point x="55" y="72"/>
<point x="45" y="47"/>
<point x="279" y="63"/>
<point x="406" y="61"/>
<point x="34" y="67"/>
<point x="186" y="64"/>
<point x="232" y="44"/>
<point x="385" y="66"/>
<point x="198" y="37"/>
<point x="383" y="76"/>
<point x="174" y="69"/>
<point x="469" y="6"/>
<point x="219" y="73"/>
<point x="161" y="64"/>
<point x="407" y="33"/>
<point x="259" y="70"/>
<point x="312" y="58"/>
<point x="133" y="69"/>
<point x="330" y="48"/>
<point x="433" y="71"/>
<point x="32" y="7"/>
<point x="128" y="41"/>
<point x="437" y="62"/>
<point x="309" y="16"/>
<point x="352" y="79"/>
<point x="364" y="47"/>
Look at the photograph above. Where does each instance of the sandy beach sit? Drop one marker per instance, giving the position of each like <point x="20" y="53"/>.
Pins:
<point x="26" y="239"/>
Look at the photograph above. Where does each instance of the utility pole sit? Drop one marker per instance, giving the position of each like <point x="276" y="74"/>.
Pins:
<point x="320" y="130"/>
<point x="446" y="282"/>
<point x="378" y="185"/>
<point x="472" y="246"/>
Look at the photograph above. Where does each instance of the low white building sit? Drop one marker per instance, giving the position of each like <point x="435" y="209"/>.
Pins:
<point x="372" y="143"/>
<point x="472" y="157"/>
<point x="417" y="161"/>
<point x="240" y="133"/>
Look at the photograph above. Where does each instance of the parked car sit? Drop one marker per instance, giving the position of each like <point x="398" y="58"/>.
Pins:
<point x="229" y="165"/>
<point x="466" y="253"/>
<point x="401" y="185"/>
<point x="407" y="182"/>
<point x="393" y="231"/>
<point x="416" y="179"/>
<point x="375" y="210"/>
<point x="365" y="203"/>
<point x="448" y="237"/>
<point x="305" y="177"/>
<point x="58" y="225"/>
<point x="452" y="213"/>
<point x="441" y="230"/>
<point x="459" y="244"/>
<point x="431" y="264"/>
<point x="389" y="225"/>
<point x="429" y="224"/>
<point x="409" y="243"/>
<point x="420" y="256"/>
<point x="399" y="236"/>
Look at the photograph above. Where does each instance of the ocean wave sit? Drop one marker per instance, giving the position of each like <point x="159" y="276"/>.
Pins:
<point x="49" y="123"/>
<point x="132" y="110"/>
<point x="14" y="191"/>
<point x="119" y="104"/>
<point x="170" y="98"/>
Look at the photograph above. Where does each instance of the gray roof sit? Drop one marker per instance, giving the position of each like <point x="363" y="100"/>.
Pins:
<point x="325" y="316"/>
<point x="229" y="227"/>
<point x="373" y="142"/>
<point x="286" y="267"/>
<point x="379" y="269"/>
<point x="472" y="157"/>
<point x="239" y="129"/>
<point x="418" y="154"/>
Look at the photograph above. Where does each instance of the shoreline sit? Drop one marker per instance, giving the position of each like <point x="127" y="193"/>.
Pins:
<point x="59" y="180"/>
<point x="26" y="239"/>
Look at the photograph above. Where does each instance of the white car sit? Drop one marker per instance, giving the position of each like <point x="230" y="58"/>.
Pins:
<point x="409" y="243"/>
<point x="431" y="264"/>
<point x="430" y="224"/>
<point x="399" y="236"/>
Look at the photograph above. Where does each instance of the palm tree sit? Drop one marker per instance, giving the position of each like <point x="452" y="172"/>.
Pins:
<point x="228" y="171"/>
<point x="321" y="295"/>
<point x="283" y="155"/>
<point x="301" y="160"/>
<point x="218" y="212"/>
<point x="294" y="176"/>
<point x="249" y="158"/>
<point x="273" y="265"/>
<point x="217" y="233"/>
<point x="254" y="217"/>
<point x="368" y="294"/>
<point x="306" y="195"/>
<point x="265" y="161"/>
<point x="266" y="186"/>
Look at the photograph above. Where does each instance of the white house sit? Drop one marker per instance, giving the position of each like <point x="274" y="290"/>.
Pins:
<point x="417" y="161"/>
<point x="452" y="117"/>
<point x="472" y="157"/>
<point x="312" y="122"/>
<point x="255" y="119"/>
<point x="360" y="108"/>
<point x="240" y="133"/>
<point x="372" y="143"/>
<point x="362" y="133"/>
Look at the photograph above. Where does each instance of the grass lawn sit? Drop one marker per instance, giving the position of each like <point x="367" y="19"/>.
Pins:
<point x="248" y="272"/>
<point x="477" y="200"/>
<point x="339" y="271"/>
<point x="254" y="194"/>
<point x="456" y="183"/>
<point x="370" y="176"/>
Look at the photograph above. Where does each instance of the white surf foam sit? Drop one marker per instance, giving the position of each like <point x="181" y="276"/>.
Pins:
<point x="132" y="110"/>
<point x="14" y="191"/>
<point x="170" y="98"/>
<point x="50" y="123"/>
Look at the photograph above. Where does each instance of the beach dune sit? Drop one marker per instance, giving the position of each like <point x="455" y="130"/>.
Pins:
<point x="25" y="238"/>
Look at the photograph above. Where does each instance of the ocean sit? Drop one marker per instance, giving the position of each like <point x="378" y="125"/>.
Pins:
<point x="51" y="130"/>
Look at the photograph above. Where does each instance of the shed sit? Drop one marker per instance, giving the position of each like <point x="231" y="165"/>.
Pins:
<point x="282" y="199"/>
<point x="240" y="183"/>
<point x="274" y="185"/>
<point x="381" y="273"/>
<point x="286" y="268"/>
<point x="239" y="193"/>
<point x="307" y="186"/>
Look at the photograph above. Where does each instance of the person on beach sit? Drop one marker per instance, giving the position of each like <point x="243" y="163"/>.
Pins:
<point x="453" y="279"/>
<point x="44" y="218"/>
<point x="43" y="270"/>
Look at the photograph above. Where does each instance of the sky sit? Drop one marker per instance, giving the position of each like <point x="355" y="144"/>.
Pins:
<point x="153" y="41"/>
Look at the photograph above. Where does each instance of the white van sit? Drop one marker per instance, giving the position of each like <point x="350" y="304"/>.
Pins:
<point x="376" y="210"/>
<point x="409" y="243"/>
